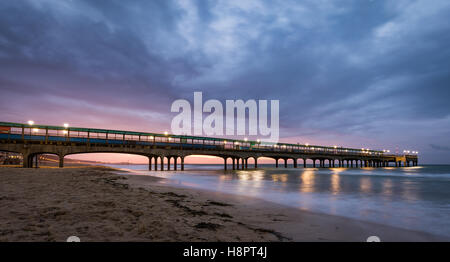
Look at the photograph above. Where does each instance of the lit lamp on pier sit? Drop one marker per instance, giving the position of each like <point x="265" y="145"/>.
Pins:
<point x="30" y="122"/>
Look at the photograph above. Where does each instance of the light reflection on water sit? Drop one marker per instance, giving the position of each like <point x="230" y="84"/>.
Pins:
<point x="415" y="198"/>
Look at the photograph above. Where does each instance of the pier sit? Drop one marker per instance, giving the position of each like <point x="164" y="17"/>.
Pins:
<point x="30" y="141"/>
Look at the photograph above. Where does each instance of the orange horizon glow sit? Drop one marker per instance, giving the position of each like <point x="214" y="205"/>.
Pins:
<point x="137" y="159"/>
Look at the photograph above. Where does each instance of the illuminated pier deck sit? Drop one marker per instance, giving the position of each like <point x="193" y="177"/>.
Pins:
<point x="31" y="140"/>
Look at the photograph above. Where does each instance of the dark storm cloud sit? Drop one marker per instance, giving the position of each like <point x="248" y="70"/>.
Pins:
<point x="342" y="71"/>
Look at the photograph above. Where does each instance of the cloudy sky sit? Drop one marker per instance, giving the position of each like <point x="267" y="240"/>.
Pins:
<point x="362" y="73"/>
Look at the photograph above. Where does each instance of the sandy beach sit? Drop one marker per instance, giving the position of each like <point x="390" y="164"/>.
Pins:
<point x="97" y="204"/>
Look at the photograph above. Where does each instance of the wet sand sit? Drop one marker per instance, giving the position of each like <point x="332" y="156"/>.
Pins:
<point x="97" y="204"/>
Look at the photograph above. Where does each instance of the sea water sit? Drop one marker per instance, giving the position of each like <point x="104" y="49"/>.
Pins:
<point x="416" y="198"/>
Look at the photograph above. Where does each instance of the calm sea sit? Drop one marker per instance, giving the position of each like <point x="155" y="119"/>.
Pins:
<point x="416" y="198"/>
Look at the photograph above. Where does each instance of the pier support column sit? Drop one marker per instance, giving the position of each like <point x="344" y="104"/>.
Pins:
<point x="61" y="161"/>
<point x="156" y="163"/>
<point x="295" y="162"/>
<point x="285" y="163"/>
<point x="256" y="162"/>
<point x="168" y="163"/>
<point x="150" y="163"/>
<point x="224" y="163"/>
<point x="304" y="163"/>
<point x="234" y="163"/>
<point x="34" y="161"/>
<point x="276" y="162"/>
<point x="162" y="163"/>
<point x="314" y="163"/>
<point x="25" y="160"/>
<point x="351" y="163"/>
<point x="246" y="163"/>
<point x="182" y="163"/>
<point x="175" y="163"/>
